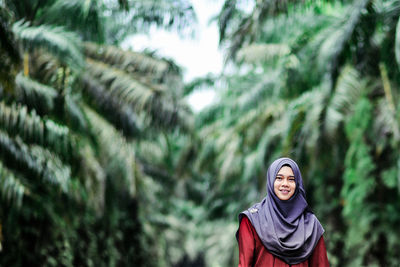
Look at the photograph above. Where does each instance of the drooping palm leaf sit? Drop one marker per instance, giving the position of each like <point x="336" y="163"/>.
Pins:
<point x="153" y="101"/>
<point x="45" y="68"/>
<point x="248" y="26"/>
<point x="258" y="53"/>
<point x="73" y="113"/>
<point x="146" y="68"/>
<point x="34" y="162"/>
<point x="45" y="100"/>
<point x="62" y="44"/>
<point x="225" y="15"/>
<point x="35" y="95"/>
<point x="199" y="83"/>
<point x="94" y="178"/>
<point x="17" y="121"/>
<point x="138" y="16"/>
<point x="337" y="37"/>
<point x="11" y="188"/>
<point x="265" y="89"/>
<point x="349" y="88"/>
<point x="84" y="17"/>
<point x="116" y="155"/>
<point x="118" y="113"/>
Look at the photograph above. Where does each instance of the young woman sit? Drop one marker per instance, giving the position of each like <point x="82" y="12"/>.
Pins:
<point x="281" y="230"/>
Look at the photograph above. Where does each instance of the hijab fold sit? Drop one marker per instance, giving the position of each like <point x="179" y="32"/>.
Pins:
<point x="287" y="228"/>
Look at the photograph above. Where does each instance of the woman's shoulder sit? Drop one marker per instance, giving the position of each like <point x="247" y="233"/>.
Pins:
<point x="246" y="225"/>
<point x="244" y="220"/>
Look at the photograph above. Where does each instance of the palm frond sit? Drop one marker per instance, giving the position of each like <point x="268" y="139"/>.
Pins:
<point x="225" y="15"/>
<point x="140" y="15"/>
<point x="229" y="159"/>
<point x="53" y="169"/>
<point x="145" y="68"/>
<point x="292" y="122"/>
<point x="43" y="99"/>
<point x="123" y="86"/>
<point x="34" y="161"/>
<point x="298" y="28"/>
<point x="44" y="67"/>
<point x="33" y="129"/>
<point x="116" y="112"/>
<point x="62" y="44"/>
<point x="311" y="129"/>
<point x="116" y="155"/>
<point x="199" y="83"/>
<point x="94" y="178"/>
<point x="209" y="114"/>
<point x="337" y="37"/>
<point x="205" y="155"/>
<point x="259" y="53"/>
<point x="35" y="95"/>
<point x="12" y="190"/>
<point x="178" y="13"/>
<point x="267" y="88"/>
<point x="74" y="113"/>
<point x="350" y="87"/>
<point x="154" y="102"/>
<point x="80" y="16"/>
<point x="250" y="26"/>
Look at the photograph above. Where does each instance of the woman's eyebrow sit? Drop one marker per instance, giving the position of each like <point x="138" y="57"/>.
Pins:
<point x="284" y="175"/>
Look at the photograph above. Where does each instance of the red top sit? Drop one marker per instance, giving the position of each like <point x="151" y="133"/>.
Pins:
<point x="252" y="252"/>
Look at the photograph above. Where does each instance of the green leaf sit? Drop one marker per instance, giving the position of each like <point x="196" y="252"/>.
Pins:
<point x="35" y="95"/>
<point x="12" y="190"/>
<point x="62" y="44"/>
<point x="80" y="16"/>
<point x="34" y="130"/>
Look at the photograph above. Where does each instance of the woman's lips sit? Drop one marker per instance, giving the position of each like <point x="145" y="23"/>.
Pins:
<point x="284" y="191"/>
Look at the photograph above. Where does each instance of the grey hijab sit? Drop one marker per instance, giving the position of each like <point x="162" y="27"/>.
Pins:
<point x="288" y="229"/>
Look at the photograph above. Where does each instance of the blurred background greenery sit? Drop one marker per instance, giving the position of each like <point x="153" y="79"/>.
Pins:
<point x="102" y="163"/>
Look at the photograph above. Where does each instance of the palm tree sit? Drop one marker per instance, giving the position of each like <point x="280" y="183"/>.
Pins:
<point x="315" y="81"/>
<point x="73" y="185"/>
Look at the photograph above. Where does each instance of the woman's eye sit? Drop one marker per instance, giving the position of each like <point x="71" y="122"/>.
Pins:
<point x="278" y="178"/>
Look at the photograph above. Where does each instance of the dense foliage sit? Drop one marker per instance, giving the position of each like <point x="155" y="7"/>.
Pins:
<point x="102" y="163"/>
<point x="316" y="81"/>
<point x="77" y="118"/>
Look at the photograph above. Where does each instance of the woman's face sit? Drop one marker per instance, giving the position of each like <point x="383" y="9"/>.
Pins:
<point x="285" y="183"/>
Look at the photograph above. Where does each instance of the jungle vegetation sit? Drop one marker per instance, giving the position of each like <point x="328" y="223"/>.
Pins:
<point x="102" y="163"/>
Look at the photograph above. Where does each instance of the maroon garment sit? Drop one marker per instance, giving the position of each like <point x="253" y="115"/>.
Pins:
<point x="252" y="252"/>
